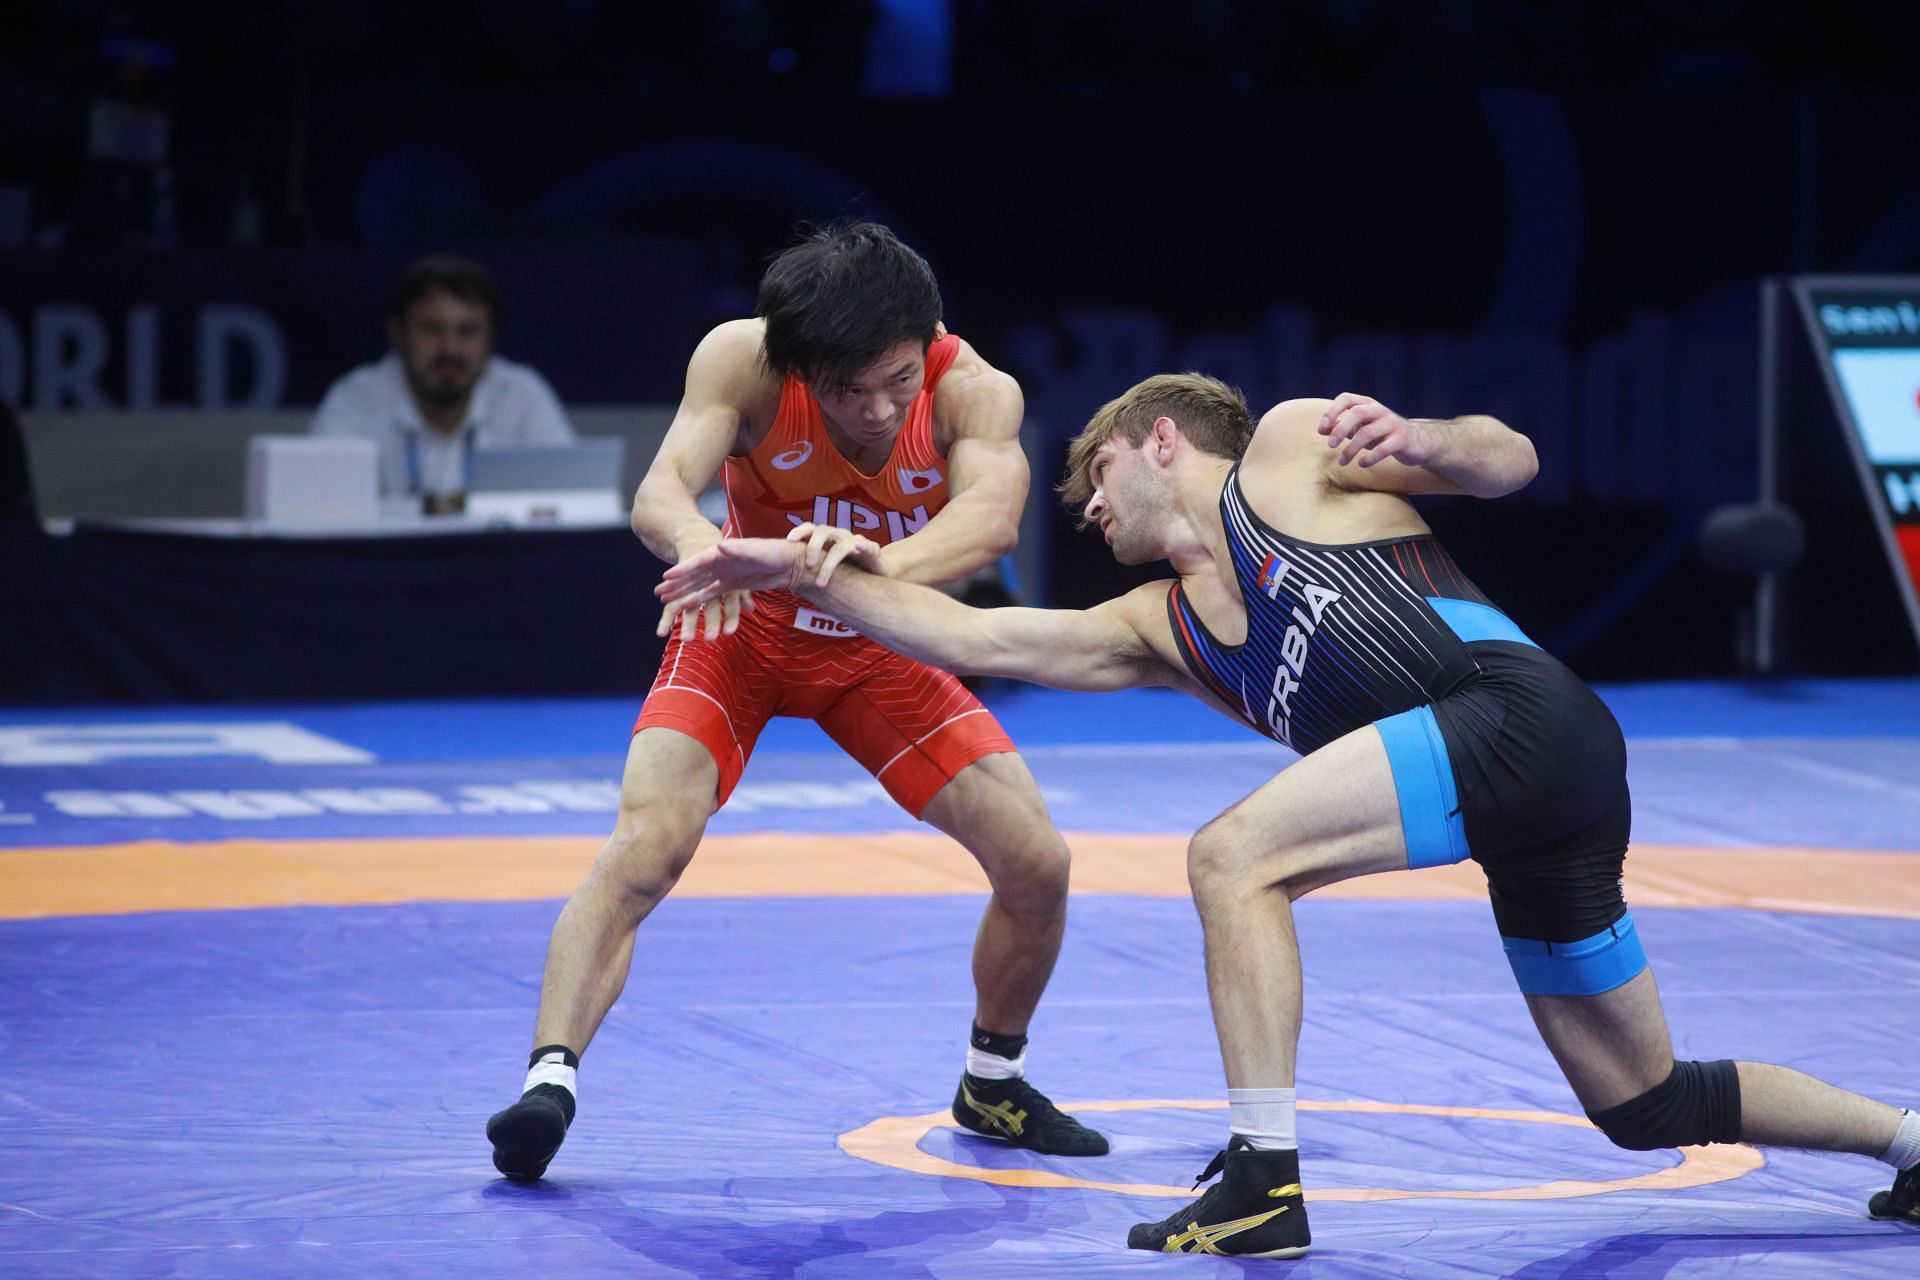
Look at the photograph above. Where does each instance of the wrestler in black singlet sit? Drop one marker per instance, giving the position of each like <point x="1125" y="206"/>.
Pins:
<point x="1499" y="752"/>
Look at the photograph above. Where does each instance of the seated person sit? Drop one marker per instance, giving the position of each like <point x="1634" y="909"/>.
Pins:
<point x="441" y="391"/>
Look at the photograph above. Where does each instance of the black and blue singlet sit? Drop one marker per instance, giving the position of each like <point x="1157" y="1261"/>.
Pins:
<point x="1498" y="752"/>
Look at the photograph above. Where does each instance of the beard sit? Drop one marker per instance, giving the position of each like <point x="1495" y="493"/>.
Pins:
<point x="1136" y="539"/>
<point x="1149" y="501"/>
<point x="444" y="386"/>
<point x="445" y="393"/>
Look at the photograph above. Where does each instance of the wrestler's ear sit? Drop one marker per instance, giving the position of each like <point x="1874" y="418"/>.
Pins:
<point x="1163" y="439"/>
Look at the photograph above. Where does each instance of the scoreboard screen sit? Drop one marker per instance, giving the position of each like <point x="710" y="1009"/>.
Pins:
<point x="1868" y="332"/>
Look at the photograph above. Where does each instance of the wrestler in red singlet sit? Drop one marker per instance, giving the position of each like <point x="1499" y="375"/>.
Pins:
<point x="839" y="369"/>
<point x="913" y="726"/>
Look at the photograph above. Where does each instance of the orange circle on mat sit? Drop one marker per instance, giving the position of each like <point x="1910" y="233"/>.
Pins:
<point x="894" y="1141"/>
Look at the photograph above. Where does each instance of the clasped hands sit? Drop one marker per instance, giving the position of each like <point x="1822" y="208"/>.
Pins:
<point x="707" y="592"/>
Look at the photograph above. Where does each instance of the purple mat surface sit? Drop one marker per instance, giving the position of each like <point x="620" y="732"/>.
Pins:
<point x="301" y="1093"/>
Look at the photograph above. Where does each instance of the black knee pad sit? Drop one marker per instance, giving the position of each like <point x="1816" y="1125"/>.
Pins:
<point x="1698" y="1103"/>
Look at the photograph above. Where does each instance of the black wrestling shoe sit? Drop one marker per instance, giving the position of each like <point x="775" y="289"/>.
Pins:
<point x="1902" y="1202"/>
<point x="1016" y="1112"/>
<point x="1256" y="1210"/>
<point x="527" y="1134"/>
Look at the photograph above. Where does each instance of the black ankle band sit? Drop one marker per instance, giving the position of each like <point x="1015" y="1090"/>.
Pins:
<point x="1008" y="1047"/>
<point x="567" y="1056"/>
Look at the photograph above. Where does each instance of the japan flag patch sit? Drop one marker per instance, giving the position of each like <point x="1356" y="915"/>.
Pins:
<point x="912" y="481"/>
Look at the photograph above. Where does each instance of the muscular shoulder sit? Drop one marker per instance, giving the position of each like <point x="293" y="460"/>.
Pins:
<point x="976" y="401"/>
<point x="1293" y="481"/>
<point x="729" y="368"/>
<point x="1289" y="429"/>
<point x="1287" y="456"/>
<point x="1282" y="472"/>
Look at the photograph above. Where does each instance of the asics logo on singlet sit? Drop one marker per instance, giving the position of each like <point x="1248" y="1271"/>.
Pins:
<point x="1294" y="648"/>
<point x="793" y="457"/>
<point x="858" y="518"/>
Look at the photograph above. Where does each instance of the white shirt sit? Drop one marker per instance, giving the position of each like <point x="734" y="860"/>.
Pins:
<point x="511" y="404"/>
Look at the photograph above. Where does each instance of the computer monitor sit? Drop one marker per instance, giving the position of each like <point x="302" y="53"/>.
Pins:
<point x="1867" y="331"/>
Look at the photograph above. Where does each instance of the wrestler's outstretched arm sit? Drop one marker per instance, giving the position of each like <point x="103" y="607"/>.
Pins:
<point x="1088" y="650"/>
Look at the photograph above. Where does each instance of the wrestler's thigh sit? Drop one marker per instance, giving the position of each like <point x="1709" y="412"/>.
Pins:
<point x="1612" y="1046"/>
<point x="666" y="797"/>
<point x="667" y="771"/>
<point x="1327" y="817"/>
<point x="994" y="808"/>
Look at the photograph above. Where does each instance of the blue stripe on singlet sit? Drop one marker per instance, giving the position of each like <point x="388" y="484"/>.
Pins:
<point x="1430" y="816"/>
<point x="1472" y="621"/>
<point x="1610" y="958"/>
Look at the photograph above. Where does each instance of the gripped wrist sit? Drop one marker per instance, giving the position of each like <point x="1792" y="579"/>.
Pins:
<point x="692" y="542"/>
<point x="799" y="577"/>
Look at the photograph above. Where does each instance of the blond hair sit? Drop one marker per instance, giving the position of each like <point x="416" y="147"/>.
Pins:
<point x="1211" y="414"/>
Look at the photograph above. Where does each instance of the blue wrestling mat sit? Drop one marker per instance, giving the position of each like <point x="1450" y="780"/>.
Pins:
<point x="299" y="1091"/>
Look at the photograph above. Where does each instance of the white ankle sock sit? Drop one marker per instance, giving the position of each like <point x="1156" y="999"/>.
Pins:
<point x="1264" y="1117"/>
<point x="1905" y="1151"/>
<point x="982" y="1065"/>
<point x="552" y="1068"/>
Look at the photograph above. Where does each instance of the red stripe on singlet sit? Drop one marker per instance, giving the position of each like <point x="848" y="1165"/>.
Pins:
<point x="1206" y="672"/>
<point x="1422" y="562"/>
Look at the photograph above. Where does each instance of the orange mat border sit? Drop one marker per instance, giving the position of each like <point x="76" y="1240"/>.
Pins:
<point x="158" y="875"/>
<point x="894" y="1141"/>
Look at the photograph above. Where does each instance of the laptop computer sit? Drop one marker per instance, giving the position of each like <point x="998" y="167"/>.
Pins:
<point x="578" y="483"/>
<point x="591" y="463"/>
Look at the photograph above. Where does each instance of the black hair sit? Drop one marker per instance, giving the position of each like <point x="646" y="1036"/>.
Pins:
<point x="461" y="277"/>
<point x="841" y="298"/>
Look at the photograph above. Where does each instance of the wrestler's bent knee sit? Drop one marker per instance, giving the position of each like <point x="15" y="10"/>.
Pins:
<point x="1217" y="861"/>
<point x="1698" y="1103"/>
<point x="1033" y="878"/>
<point x="643" y="859"/>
